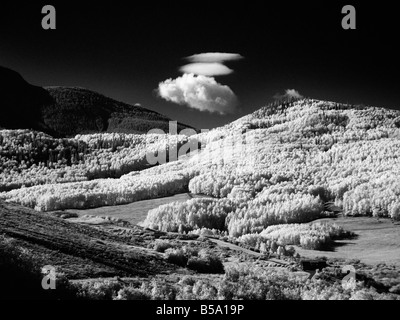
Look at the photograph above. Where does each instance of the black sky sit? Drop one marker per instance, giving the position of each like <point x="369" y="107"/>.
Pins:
<point x="124" y="50"/>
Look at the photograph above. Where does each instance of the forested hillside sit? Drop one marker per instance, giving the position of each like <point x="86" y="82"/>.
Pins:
<point x="29" y="158"/>
<point x="278" y="165"/>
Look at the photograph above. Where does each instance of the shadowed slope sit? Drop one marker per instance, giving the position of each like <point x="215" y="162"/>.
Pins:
<point x="67" y="111"/>
<point x="78" y="251"/>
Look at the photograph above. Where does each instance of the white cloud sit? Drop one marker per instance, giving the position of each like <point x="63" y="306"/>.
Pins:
<point x="292" y="93"/>
<point x="206" y="69"/>
<point x="214" y="57"/>
<point x="289" y="93"/>
<point x="199" y="92"/>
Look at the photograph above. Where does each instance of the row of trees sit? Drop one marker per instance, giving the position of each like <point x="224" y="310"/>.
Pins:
<point x="254" y="217"/>
<point x="185" y="216"/>
<point x="309" y="236"/>
<point x="97" y="193"/>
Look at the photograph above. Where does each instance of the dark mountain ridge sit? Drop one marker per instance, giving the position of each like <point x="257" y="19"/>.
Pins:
<point x="67" y="111"/>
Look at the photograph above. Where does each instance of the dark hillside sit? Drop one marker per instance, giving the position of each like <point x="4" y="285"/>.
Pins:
<point x="67" y="111"/>
<point x="78" y="251"/>
<point x="20" y="102"/>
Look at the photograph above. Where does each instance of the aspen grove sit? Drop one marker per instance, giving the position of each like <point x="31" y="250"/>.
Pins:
<point x="279" y="165"/>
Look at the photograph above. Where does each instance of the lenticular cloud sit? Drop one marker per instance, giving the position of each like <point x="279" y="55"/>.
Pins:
<point x="206" y="69"/>
<point x="197" y="87"/>
<point x="199" y="92"/>
<point x="214" y="57"/>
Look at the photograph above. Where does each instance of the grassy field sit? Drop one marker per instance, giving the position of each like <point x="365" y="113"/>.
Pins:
<point x="377" y="241"/>
<point x="135" y="212"/>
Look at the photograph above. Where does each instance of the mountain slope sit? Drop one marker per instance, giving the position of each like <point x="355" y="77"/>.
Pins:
<point x="20" y="102"/>
<point x="278" y="165"/>
<point x="79" y="251"/>
<point x="65" y="111"/>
